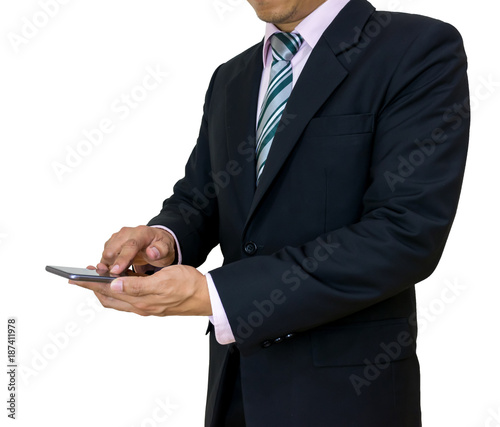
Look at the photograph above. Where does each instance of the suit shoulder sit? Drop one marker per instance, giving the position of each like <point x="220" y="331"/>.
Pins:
<point x="413" y="24"/>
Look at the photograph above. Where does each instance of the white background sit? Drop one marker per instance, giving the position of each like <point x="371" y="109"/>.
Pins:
<point x="83" y="365"/>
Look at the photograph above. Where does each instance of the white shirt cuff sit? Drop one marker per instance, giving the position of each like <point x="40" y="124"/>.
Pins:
<point x="223" y="333"/>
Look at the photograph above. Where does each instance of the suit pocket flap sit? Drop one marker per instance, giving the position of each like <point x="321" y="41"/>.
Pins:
<point x="377" y="343"/>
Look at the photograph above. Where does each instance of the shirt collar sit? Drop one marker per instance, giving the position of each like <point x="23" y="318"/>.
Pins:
<point x="311" y="28"/>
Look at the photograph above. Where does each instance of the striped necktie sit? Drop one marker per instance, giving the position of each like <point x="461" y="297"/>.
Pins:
<point x="284" y="47"/>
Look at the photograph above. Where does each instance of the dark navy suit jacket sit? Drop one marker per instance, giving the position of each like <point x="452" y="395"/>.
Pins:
<point x="354" y="208"/>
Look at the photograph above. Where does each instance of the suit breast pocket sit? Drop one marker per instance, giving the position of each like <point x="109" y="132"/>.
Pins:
<point x="342" y="148"/>
<point x="340" y="128"/>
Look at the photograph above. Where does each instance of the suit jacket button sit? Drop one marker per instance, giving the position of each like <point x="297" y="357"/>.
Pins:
<point x="278" y="340"/>
<point x="250" y="248"/>
<point x="288" y="336"/>
<point x="267" y="344"/>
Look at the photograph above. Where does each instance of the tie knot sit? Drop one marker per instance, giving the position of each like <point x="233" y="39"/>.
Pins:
<point x="285" y="45"/>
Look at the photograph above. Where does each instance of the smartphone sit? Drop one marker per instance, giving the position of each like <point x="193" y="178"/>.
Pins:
<point x="86" y="275"/>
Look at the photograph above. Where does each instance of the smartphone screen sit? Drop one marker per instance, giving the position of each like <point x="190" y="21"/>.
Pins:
<point x="86" y="275"/>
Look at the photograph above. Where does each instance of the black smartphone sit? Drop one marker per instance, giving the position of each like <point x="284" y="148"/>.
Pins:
<point x="86" y="275"/>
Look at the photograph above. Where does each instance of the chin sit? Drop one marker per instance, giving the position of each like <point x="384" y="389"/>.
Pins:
<point x="275" y="16"/>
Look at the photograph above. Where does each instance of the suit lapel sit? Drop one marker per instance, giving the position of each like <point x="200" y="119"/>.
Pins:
<point x="322" y="74"/>
<point x="242" y="94"/>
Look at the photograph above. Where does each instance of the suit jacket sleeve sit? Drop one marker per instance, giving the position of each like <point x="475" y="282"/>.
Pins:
<point x="417" y="167"/>
<point x="191" y="212"/>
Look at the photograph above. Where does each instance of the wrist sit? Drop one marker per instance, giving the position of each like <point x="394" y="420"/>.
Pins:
<point x="204" y="297"/>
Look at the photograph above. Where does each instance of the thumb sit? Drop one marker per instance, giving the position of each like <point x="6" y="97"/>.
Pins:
<point x="154" y="254"/>
<point x="133" y="285"/>
<point x="161" y="252"/>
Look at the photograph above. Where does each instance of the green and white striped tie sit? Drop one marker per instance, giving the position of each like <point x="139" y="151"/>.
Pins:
<point x="284" y="47"/>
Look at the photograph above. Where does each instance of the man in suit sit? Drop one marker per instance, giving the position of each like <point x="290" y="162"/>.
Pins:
<point x="313" y="314"/>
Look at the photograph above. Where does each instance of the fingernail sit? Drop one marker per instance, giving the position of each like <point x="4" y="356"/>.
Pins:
<point x="117" y="285"/>
<point x="156" y="253"/>
<point x="115" y="269"/>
